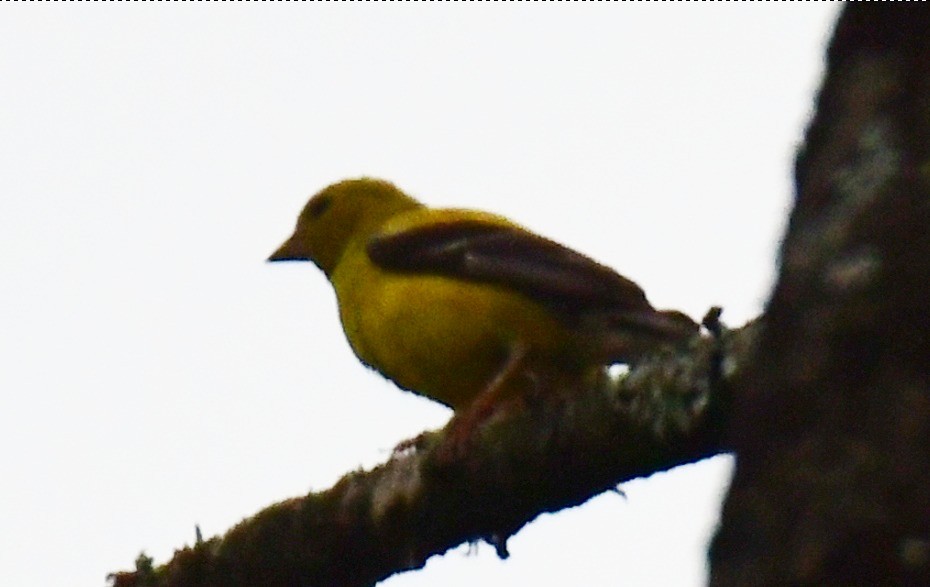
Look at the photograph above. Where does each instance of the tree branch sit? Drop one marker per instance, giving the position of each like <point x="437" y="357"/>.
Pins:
<point x="553" y="454"/>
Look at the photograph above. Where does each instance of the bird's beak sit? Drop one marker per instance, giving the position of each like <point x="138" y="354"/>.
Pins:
<point x="289" y="251"/>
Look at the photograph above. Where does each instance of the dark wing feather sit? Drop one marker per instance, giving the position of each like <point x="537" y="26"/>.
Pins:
<point x="568" y="283"/>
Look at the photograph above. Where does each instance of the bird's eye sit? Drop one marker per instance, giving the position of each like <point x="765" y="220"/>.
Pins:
<point x="318" y="206"/>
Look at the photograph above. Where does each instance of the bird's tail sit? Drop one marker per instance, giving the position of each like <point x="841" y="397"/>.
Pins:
<point x="624" y="337"/>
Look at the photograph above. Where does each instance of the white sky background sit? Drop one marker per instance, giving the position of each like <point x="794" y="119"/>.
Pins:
<point x="156" y="373"/>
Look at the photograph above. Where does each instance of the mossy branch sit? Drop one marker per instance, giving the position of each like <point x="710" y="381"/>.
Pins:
<point x="546" y="456"/>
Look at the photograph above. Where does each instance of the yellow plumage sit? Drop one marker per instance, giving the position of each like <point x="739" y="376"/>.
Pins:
<point x="462" y="305"/>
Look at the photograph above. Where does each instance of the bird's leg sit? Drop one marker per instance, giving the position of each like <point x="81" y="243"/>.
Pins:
<point x="463" y="425"/>
<point x="490" y="397"/>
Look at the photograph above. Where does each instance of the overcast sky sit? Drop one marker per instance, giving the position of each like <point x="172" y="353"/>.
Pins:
<point x="157" y="374"/>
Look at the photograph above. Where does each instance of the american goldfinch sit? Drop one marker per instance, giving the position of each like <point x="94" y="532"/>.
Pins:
<point x="466" y="307"/>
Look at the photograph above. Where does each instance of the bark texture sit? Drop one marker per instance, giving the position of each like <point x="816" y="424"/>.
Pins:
<point x="831" y="421"/>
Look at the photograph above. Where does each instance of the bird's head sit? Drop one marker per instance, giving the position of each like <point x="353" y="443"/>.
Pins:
<point x="337" y="215"/>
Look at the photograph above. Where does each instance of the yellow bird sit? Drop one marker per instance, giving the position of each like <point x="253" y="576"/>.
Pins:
<point x="465" y="307"/>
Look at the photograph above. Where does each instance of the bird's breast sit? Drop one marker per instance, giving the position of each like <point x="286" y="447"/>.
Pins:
<point x="440" y="337"/>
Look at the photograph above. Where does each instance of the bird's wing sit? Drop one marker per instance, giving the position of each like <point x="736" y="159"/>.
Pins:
<point x="484" y="248"/>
